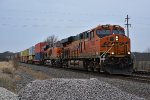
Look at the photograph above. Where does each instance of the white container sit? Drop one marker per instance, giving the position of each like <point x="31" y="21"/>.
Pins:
<point x="32" y="50"/>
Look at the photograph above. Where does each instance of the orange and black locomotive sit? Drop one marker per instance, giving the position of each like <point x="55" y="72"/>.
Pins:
<point x="104" y="48"/>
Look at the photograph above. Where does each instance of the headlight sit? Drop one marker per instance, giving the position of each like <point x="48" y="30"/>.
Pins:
<point x="112" y="53"/>
<point x="117" y="38"/>
<point x="129" y="52"/>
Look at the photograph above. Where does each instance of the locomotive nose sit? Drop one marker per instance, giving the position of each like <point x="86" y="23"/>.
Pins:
<point x="114" y="38"/>
<point x="118" y="44"/>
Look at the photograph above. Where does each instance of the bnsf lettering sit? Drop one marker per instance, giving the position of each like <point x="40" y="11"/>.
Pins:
<point x="109" y="44"/>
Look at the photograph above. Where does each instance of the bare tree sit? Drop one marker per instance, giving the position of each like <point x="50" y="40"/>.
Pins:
<point x="51" y="40"/>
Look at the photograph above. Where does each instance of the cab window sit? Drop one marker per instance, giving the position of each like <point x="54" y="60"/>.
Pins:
<point x="102" y="33"/>
<point x="118" y="32"/>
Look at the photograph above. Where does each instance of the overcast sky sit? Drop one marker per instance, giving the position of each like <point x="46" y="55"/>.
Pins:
<point x="24" y="23"/>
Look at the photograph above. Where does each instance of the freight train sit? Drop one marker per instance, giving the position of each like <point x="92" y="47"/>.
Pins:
<point x="104" y="48"/>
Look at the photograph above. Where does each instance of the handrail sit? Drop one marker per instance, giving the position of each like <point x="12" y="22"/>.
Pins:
<point x="106" y="52"/>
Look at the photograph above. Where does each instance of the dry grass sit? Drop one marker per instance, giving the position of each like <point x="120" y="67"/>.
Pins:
<point x="15" y="64"/>
<point x="8" y="67"/>
<point x="40" y="76"/>
<point x="5" y="64"/>
<point x="7" y="74"/>
<point x="36" y="74"/>
<point x="7" y="82"/>
<point x="17" y="78"/>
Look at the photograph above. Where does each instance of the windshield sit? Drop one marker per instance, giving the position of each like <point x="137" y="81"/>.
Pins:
<point x="102" y="33"/>
<point x="118" y="32"/>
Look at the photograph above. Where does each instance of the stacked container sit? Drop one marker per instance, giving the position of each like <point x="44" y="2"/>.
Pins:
<point x="39" y="51"/>
<point x="25" y="55"/>
<point x="31" y="54"/>
<point x="21" y="56"/>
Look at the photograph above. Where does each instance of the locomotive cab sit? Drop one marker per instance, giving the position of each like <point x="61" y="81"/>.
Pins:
<point x="115" y="53"/>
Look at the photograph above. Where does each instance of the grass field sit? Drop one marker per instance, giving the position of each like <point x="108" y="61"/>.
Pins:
<point x="9" y="74"/>
<point x="7" y="71"/>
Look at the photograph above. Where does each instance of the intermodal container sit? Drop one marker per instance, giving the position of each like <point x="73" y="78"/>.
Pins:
<point x="25" y="52"/>
<point x="31" y="57"/>
<point x="21" y="53"/>
<point x="39" y="47"/>
<point x="24" y="59"/>
<point x="32" y="51"/>
<point x="39" y="56"/>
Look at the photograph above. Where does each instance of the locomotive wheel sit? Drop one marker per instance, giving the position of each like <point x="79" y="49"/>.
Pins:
<point x="85" y="65"/>
<point x="65" y="64"/>
<point x="91" y="67"/>
<point x="96" y="67"/>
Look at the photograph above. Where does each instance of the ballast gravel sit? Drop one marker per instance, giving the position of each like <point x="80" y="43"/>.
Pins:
<point x="73" y="89"/>
<point x="25" y="79"/>
<point x="7" y="95"/>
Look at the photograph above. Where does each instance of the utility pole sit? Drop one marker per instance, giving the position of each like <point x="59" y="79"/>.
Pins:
<point x="127" y="24"/>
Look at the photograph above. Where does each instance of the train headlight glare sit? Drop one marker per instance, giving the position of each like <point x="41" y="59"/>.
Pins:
<point x="112" y="53"/>
<point x="129" y="52"/>
<point x="117" y="38"/>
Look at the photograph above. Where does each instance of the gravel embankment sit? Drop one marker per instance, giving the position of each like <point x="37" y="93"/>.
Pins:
<point x="131" y="87"/>
<point x="73" y="89"/>
<point x="7" y="95"/>
<point x="25" y="79"/>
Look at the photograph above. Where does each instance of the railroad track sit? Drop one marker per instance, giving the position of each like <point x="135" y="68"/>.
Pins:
<point x="133" y="77"/>
<point x="140" y="77"/>
<point x="136" y="76"/>
<point x="143" y="77"/>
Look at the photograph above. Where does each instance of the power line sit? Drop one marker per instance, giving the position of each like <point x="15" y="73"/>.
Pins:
<point x="127" y="24"/>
